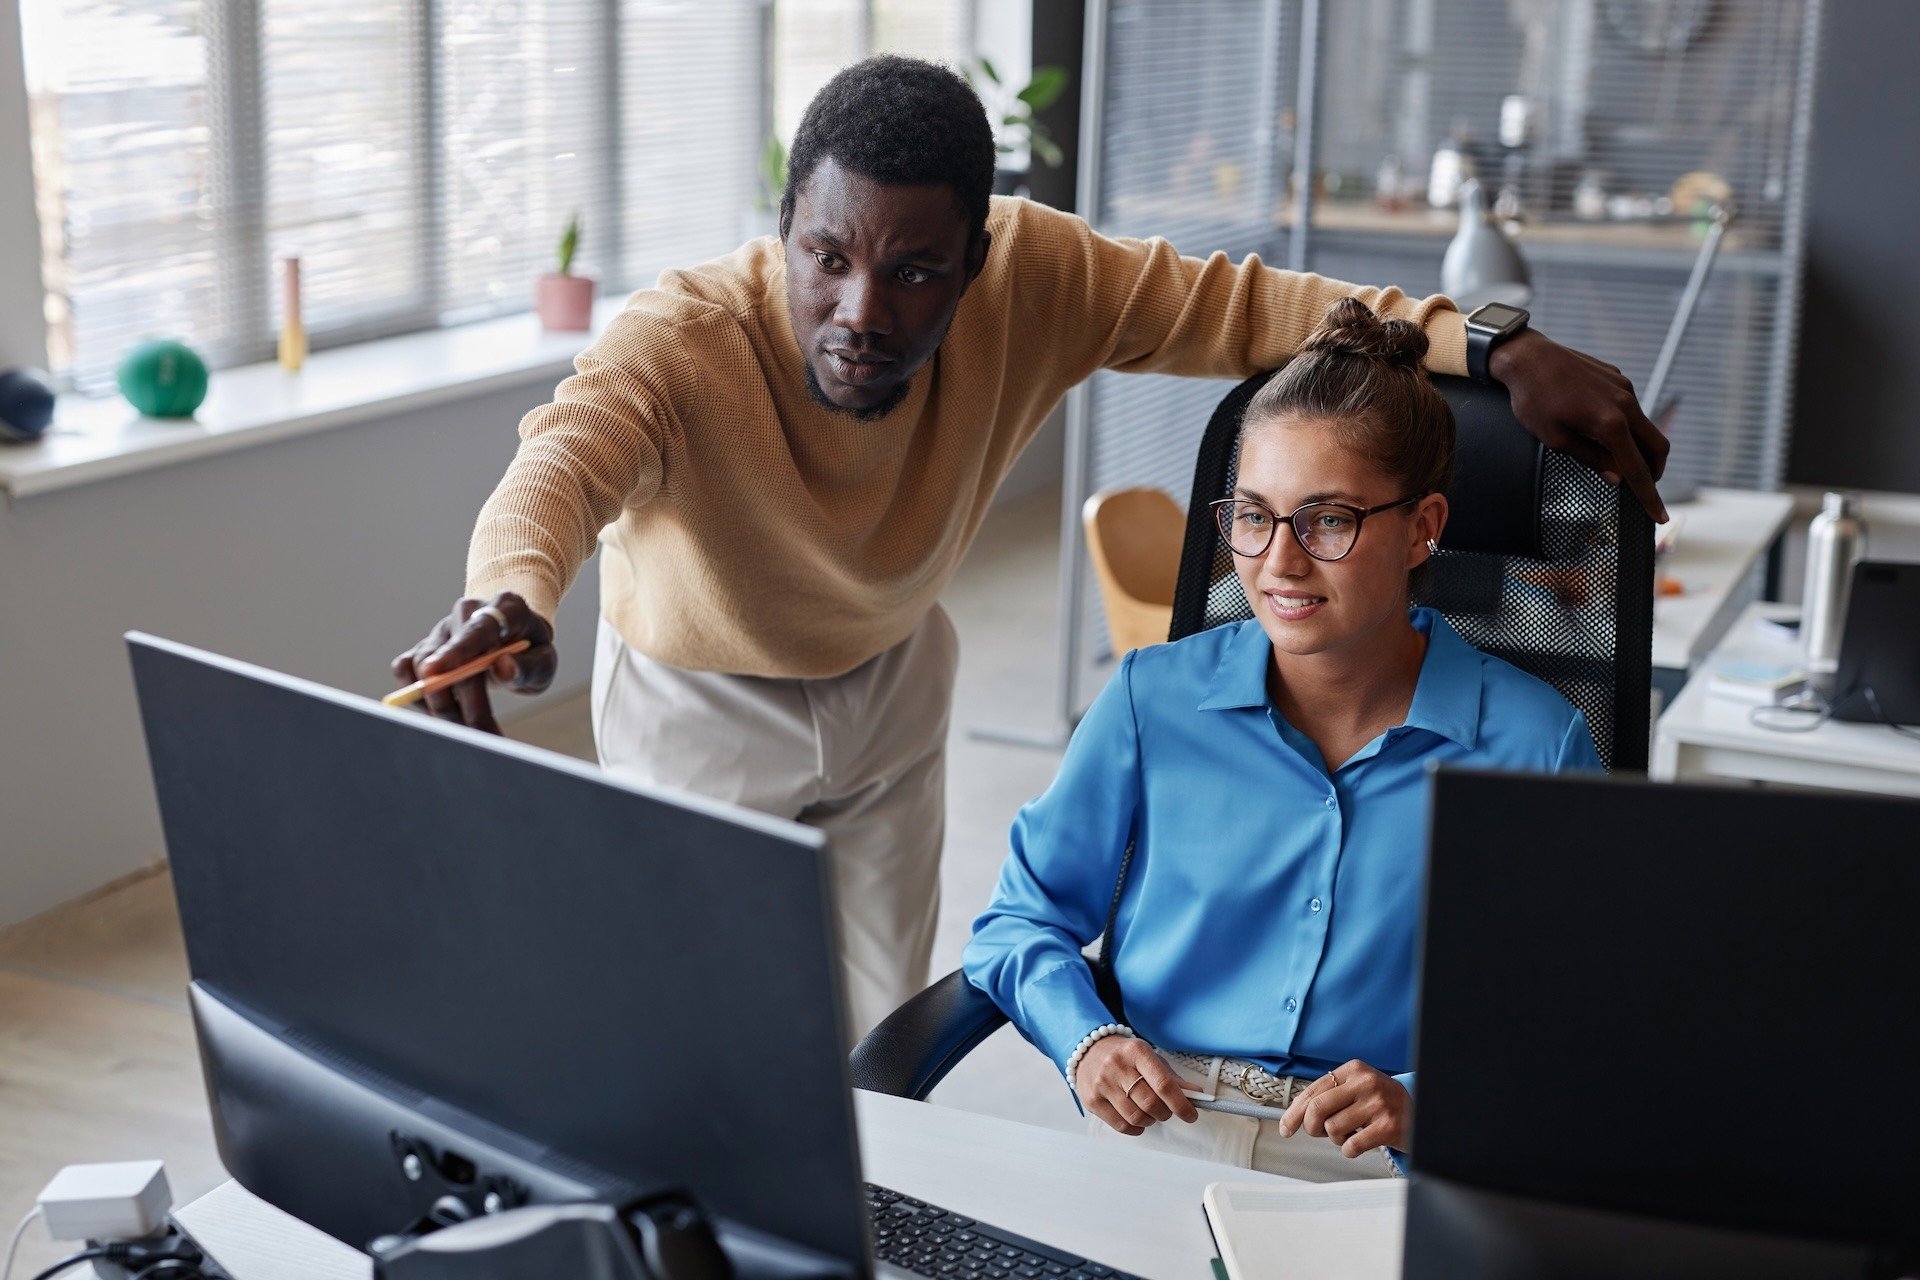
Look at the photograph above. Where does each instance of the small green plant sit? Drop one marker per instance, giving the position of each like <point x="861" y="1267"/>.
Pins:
<point x="773" y="174"/>
<point x="1019" y="124"/>
<point x="569" y="243"/>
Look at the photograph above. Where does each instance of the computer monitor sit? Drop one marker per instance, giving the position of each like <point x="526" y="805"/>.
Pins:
<point x="1666" y="1030"/>
<point x="428" y="962"/>
<point x="1878" y="680"/>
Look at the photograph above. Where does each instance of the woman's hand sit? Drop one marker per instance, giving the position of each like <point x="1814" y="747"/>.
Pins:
<point x="1125" y="1083"/>
<point x="1355" y="1106"/>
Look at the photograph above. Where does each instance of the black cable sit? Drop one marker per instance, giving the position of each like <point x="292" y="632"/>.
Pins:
<point x="182" y="1269"/>
<point x="134" y="1254"/>
<point x="1809" y="711"/>
<point x="73" y="1260"/>
<point x="1873" y="700"/>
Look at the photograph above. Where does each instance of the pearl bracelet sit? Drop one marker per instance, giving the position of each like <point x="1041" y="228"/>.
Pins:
<point x="1093" y="1037"/>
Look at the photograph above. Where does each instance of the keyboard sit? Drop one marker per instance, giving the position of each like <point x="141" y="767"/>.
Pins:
<point x="930" y="1241"/>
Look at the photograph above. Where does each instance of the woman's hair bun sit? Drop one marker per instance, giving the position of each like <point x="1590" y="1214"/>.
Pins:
<point x="1350" y="329"/>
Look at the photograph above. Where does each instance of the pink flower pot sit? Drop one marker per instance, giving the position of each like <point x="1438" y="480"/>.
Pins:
<point x="565" y="303"/>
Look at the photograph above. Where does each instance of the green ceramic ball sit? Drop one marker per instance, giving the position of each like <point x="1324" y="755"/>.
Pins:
<point x="164" y="379"/>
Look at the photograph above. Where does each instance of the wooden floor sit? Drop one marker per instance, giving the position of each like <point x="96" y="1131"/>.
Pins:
<point x="96" y="1049"/>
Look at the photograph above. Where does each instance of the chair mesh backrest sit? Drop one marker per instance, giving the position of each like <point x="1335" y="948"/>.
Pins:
<point x="1579" y="614"/>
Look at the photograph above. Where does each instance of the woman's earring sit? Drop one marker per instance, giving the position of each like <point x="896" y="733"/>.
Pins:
<point x="1433" y="547"/>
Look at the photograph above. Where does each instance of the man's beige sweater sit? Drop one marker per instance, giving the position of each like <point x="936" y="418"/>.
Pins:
<point x="747" y="529"/>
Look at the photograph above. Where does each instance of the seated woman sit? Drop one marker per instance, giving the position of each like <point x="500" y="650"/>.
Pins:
<point x="1272" y="778"/>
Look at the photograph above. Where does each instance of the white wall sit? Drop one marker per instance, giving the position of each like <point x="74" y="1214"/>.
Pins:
<point x="23" y="338"/>
<point x="322" y="556"/>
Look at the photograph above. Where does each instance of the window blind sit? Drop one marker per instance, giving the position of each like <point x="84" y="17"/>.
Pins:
<point x="344" y="146"/>
<point x="522" y="97"/>
<point x="815" y="38"/>
<point x="420" y="156"/>
<point x="940" y="30"/>
<point x="124" y="165"/>
<point x="692" y="116"/>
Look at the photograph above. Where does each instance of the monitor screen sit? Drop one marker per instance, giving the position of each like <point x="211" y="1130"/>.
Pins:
<point x="1689" y="1002"/>
<point x="502" y="938"/>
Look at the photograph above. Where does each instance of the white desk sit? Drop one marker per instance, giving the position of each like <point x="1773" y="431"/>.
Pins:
<point x="1131" y="1208"/>
<point x="1723" y="534"/>
<point x="1702" y="736"/>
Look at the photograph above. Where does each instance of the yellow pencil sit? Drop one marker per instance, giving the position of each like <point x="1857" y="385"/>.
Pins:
<point x="433" y="684"/>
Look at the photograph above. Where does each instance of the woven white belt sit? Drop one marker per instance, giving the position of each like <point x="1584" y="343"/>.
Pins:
<point x="1255" y="1081"/>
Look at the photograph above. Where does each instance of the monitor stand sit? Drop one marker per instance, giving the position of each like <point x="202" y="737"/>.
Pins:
<point x="1456" y="1231"/>
<point x="662" y="1237"/>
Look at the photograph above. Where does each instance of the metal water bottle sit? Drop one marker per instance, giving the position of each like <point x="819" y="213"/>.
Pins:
<point x="1835" y="540"/>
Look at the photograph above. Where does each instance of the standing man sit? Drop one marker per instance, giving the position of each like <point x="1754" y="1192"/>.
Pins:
<point x="785" y="453"/>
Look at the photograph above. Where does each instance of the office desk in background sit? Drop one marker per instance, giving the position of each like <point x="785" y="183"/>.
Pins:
<point x="1724" y="534"/>
<point x="1132" y="1208"/>
<point x="1702" y="736"/>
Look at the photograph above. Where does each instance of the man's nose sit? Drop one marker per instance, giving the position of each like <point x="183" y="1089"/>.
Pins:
<point x="862" y="306"/>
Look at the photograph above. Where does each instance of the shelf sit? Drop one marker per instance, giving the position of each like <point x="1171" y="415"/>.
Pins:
<point x="1421" y="231"/>
<point x="1646" y="246"/>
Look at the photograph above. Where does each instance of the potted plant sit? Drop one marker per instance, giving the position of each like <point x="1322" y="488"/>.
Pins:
<point x="564" y="300"/>
<point x="762" y="218"/>
<point x="1019" y="129"/>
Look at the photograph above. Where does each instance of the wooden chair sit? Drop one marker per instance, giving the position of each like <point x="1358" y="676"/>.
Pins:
<point x="1135" y="537"/>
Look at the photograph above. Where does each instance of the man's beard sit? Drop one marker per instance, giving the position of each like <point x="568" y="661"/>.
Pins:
<point x="873" y="413"/>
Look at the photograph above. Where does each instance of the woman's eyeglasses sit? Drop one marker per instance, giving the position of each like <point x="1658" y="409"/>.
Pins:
<point x="1326" y="530"/>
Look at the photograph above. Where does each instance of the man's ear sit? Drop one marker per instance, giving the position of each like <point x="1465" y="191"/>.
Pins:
<point x="977" y="255"/>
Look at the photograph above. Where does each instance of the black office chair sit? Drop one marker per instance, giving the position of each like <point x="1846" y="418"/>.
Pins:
<point x="1542" y="563"/>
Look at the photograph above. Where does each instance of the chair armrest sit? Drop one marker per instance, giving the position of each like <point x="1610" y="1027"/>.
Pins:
<point x="922" y="1040"/>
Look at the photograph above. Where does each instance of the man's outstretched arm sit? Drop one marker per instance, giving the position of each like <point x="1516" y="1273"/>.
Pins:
<point x="596" y="448"/>
<point x="1139" y="306"/>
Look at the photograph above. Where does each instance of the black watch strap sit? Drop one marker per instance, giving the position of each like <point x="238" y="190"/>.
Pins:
<point x="1483" y="336"/>
<point x="1479" y="350"/>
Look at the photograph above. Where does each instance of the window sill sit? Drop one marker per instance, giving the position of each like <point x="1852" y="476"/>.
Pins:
<point x="99" y="439"/>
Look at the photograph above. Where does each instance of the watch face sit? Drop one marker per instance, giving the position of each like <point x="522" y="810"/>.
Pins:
<point x="1498" y="315"/>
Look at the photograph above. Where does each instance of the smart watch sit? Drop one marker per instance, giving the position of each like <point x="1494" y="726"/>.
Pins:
<point x="1487" y="327"/>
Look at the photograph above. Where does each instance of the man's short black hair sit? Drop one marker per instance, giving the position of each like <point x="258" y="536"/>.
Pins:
<point x="902" y="122"/>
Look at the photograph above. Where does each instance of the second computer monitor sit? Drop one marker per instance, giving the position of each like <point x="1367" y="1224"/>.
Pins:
<point x="1683" y="1003"/>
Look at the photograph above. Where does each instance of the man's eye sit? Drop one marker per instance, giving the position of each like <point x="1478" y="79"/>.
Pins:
<point x="913" y="275"/>
<point x="827" y="261"/>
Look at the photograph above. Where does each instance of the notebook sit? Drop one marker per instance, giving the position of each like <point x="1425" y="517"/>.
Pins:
<point x="1312" y="1231"/>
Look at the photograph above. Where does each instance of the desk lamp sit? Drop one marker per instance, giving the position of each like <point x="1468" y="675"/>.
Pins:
<point x="1482" y="264"/>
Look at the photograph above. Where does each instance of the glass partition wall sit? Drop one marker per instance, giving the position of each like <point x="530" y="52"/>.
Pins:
<point x="1605" y="128"/>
